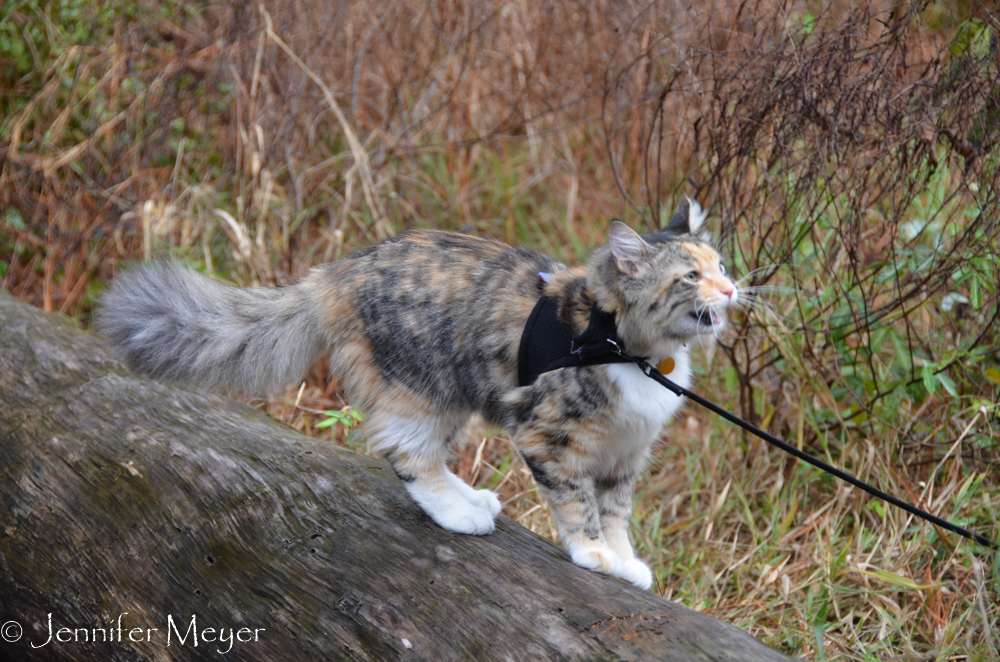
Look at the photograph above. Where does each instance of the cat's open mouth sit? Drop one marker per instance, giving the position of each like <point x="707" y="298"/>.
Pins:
<point x="706" y="318"/>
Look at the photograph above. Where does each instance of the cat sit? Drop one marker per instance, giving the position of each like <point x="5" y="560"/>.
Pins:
<point x="424" y="331"/>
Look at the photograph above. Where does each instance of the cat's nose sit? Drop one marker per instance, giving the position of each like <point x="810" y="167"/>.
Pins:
<point x="730" y="294"/>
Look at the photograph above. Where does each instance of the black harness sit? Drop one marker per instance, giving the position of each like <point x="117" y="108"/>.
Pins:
<point x="547" y="343"/>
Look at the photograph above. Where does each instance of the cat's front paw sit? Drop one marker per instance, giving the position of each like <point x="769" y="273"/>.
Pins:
<point x="636" y="572"/>
<point x="479" y="498"/>
<point x="471" y="521"/>
<point x="486" y="500"/>
<point x="598" y="559"/>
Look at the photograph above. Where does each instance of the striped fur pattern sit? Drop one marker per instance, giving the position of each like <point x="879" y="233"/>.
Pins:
<point x="423" y="331"/>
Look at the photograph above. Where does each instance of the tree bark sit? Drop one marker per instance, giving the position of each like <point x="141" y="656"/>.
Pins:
<point x="131" y="511"/>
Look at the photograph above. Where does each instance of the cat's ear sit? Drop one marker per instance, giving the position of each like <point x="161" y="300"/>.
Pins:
<point x="689" y="218"/>
<point x="630" y="251"/>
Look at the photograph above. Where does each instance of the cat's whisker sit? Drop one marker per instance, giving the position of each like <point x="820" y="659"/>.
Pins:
<point x="782" y="289"/>
<point x="753" y="304"/>
<point x="754" y="272"/>
<point x="751" y="299"/>
<point x="749" y="275"/>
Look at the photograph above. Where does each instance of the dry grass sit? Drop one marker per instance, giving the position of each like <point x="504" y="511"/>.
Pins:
<point x="849" y="156"/>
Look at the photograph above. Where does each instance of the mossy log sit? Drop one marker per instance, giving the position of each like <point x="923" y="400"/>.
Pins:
<point x="153" y="523"/>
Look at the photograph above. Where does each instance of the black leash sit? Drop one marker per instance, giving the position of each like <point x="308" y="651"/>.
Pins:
<point x="658" y="377"/>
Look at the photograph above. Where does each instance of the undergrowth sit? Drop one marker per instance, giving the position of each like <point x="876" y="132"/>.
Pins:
<point x="847" y="154"/>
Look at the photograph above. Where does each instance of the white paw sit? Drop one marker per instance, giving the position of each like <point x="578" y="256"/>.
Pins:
<point x="598" y="559"/>
<point x="470" y="521"/>
<point x="452" y="511"/>
<point x="484" y="499"/>
<point x="637" y="572"/>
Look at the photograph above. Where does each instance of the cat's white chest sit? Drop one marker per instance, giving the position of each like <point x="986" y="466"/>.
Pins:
<point x="646" y="406"/>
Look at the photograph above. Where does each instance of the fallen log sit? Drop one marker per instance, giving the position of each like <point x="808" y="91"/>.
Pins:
<point x="142" y="522"/>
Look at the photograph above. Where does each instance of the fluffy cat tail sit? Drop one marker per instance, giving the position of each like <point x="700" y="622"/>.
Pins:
<point x="176" y="325"/>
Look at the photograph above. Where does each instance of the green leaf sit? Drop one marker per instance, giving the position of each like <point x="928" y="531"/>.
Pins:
<point x="348" y="417"/>
<point x="879" y="338"/>
<point x="993" y="375"/>
<point x="930" y="383"/>
<point x="732" y="379"/>
<point x="818" y="636"/>
<point x="13" y="218"/>
<point x="972" y="38"/>
<point x="902" y="350"/>
<point x="975" y="292"/>
<point x="970" y="486"/>
<point x="354" y="439"/>
<point x="948" y="384"/>
<point x="899" y="580"/>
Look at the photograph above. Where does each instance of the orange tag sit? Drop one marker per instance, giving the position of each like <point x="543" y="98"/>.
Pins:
<point x="666" y="366"/>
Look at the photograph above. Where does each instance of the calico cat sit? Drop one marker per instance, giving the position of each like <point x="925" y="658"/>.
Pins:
<point x="424" y="331"/>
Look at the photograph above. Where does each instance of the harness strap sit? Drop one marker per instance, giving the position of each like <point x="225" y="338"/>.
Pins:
<point x="548" y="344"/>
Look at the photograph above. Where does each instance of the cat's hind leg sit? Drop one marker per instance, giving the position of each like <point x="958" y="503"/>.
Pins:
<point x="571" y="494"/>
<point x="416" y="445"/>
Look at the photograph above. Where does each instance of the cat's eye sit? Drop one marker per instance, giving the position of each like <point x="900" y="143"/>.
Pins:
<point x="692" y="276"/>
<point x="722" y="268"/>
